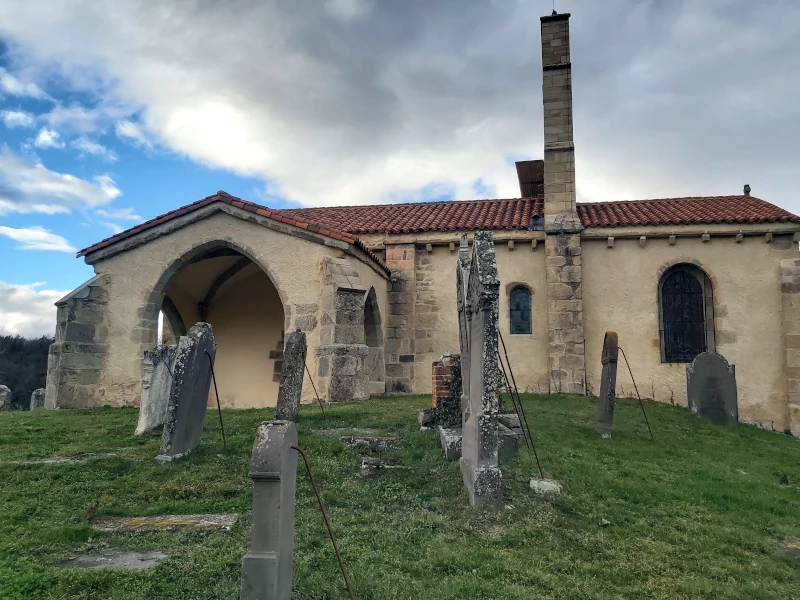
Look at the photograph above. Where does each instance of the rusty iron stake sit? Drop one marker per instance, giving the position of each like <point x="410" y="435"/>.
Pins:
<point x="327" y="521"/>
<point x="219" y="408"/>
<point x="637" y="395"/>
<point x="315" y="390"/>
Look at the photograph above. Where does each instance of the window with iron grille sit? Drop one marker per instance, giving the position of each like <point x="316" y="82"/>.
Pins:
<point x="686" y="313"/>
<point x="520" y="310"/>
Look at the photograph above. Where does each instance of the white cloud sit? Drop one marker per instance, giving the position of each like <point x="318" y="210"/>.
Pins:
<point x="132" y="132"/>
<point x="31" y="187"/>
<point x="124" y="214"/>
<point x="28" y="311"/>
<point x="14" y="87"/>
<point x="115" y="229"/>
<point x="83" y="120"/>
<point x="89" y="147"/>
<point x="36" y="238"/>
<point x="16" y="118"/>
<point x="365" y="101"/>
<point x="48" y="138"/>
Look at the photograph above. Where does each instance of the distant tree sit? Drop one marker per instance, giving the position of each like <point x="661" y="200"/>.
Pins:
<point x="23" y="366"/>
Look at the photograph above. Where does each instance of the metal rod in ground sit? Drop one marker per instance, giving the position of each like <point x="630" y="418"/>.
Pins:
<point x="637" y="395"/>
<point x="216" y="392"/>
<point x="315" y="390"/>
<point x="514" y="381"/>
<point x="513" y="401"/>
<point x="327" y="521"/>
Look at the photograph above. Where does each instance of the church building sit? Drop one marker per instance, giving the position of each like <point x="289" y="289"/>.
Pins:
<point x="374" y="288"/>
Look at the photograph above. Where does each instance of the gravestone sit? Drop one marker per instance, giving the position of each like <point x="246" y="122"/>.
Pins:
<point x="156" y="387"/>
<point x="5" y="398"/>
<point x="711" y="388"/>
<point x="186" y="409"/>
<point x="478" y="309"/>
<point x="37" y="399"/>
<point x="267" y="567"/>
<point x="292" y="371"/>
<point x="608" y="385"/>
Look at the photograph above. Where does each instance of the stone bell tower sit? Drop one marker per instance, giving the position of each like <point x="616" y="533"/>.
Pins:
<point x="561" y="223"/>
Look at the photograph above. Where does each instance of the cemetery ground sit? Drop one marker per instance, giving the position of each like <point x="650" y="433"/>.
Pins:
<point x="705" y="511"/>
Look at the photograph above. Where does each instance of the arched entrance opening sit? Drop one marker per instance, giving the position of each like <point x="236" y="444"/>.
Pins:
<point x="223" y="287"/>
<point x="373" y="338"/>
<point x="686" y="314"/>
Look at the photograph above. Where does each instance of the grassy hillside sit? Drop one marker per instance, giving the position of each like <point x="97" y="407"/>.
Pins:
<point x="704" y="512"/>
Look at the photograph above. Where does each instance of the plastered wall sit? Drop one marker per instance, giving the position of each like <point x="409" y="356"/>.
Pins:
<point x="292" y="263"/>
<point x="620" y="293"/>
<point x="436" y="326"/>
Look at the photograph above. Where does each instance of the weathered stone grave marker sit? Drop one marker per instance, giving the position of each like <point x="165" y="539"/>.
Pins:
<point x="5" y="398"/>
<point x="711" y="388"/>
<point x="478" y="310"/>
<point x="186" y="410"/>
<point x="157" y="369"/>
<point x="267" y="567"/>
<point x="608" y="385"/>
<point x="37" y="399"/>
<point x="292" y="371"/>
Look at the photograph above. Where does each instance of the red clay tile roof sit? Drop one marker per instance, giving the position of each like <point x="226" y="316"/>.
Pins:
<point x="683" y="211"/>
<point x="345" y="222"/>
<point x="296" y="220"/>
<point x="461" y="215"/>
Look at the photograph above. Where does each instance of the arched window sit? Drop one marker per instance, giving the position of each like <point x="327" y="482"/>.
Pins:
<point x="686" y="300"/>
<point x="520" y="310"/>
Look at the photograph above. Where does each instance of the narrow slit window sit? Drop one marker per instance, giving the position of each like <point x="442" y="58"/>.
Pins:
<point x="520" y="310"/>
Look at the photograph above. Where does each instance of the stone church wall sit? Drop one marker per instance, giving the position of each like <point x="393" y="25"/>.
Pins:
<point x="620" y="293"/>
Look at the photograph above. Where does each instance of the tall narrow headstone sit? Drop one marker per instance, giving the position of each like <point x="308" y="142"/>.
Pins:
<point x="156" y="387"/>
<point x="479" y="313"/>
<point x="608" y="385"/>
<point x="5" y="398"/>
<point x="267" y="567"/>
<point x="292" y="371"/>
<point x="186" y="409"/>
<point x="711" y="388"/>
<point x="37" y="399"/>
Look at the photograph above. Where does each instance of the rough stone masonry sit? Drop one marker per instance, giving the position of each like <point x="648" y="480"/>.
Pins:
<point x="186" y="410"/>
<point x="561" y="222"/>
<point x="478" y="315"/>
<point x="292" y="372"/>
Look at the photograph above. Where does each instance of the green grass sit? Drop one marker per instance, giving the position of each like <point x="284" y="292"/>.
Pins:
<point x="700" y="513"/>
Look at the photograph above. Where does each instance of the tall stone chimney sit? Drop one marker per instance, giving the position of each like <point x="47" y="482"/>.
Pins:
<point x="561" y="223"/>
<point x="560" y="213"/>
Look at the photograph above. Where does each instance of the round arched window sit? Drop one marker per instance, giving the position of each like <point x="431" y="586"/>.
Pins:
<point x="520" y="310"/>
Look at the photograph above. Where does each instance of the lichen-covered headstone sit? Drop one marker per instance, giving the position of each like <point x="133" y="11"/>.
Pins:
<point x="156" y="387"/>
<point x="292" y="371"/>
<point x="711" y="388"/>
<point x="608" y="385"/>
<point x="267" y="567"/>
<point x="5" y="398"/>
<point x="186" y="409"/>
<point x="37" y="399"/>
<point x="479" y="314"/>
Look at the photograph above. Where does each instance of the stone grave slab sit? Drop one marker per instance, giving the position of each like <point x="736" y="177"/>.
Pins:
<point x="507" y="444"/>
<point x="608" y="385"/>
<point x="108" y="558"/>
<point x="267" y="567"/>
<point x="186" y="409"/>
<point x="5" y="397"/>
<point x="372" y="467"/>
<point x="351" y="430"/>
<point x="292" y="372"/>
<point x="478" y="306"/>
<point x="157" y="368"/>
<point x="37" y="399"/>
<point x="164" y="523"/>
<point x="545" y="486"/>
<point x="376" y="444"/>
<point x="450" y="438"/>
<point x="60" y="460"/>
<point x="711" y="388"/>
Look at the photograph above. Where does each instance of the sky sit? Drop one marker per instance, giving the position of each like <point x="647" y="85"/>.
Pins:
<point x="115" y="111"/>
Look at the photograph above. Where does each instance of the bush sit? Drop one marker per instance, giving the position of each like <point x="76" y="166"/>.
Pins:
<point x="23" y="366"/>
